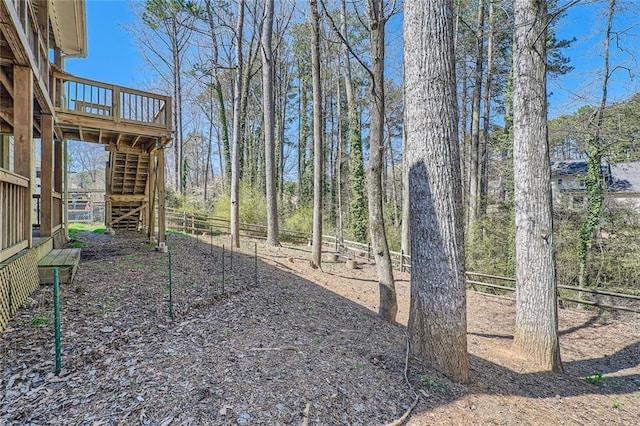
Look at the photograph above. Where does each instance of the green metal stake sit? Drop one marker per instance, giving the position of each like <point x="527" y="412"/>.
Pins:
<point x="170" y="289"/>
<point x="255" y="264"/>
<point x="223" y="268"/>
<point x="211" y="240"/>
<point x="56" y="314"/>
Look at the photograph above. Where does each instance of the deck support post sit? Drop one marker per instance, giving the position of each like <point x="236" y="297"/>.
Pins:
<point x="151" y="189"/>
<point x="46" y="176"/>
<point x="57" y="182"/>
<point x="23" y="139"/>
<point x="161" y="219"/>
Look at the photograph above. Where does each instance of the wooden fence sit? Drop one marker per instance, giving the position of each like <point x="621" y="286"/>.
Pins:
<point x="193" y="223"/>
<point x="497" y="285"/>
<point x="201" y="223"/>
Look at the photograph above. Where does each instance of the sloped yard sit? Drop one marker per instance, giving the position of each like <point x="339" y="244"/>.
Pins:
<point x="286" y="345"/>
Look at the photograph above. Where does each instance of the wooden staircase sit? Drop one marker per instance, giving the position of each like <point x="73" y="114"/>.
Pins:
<point x="127" y="189"/>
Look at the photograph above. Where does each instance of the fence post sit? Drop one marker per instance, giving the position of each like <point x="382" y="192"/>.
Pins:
<point x="184" y="221"/>
<point x="170" y="289"/>
<point x="223" y="269"/>
<point x="56" y="315"/>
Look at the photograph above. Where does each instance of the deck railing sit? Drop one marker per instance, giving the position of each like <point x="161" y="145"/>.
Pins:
<point x="110" y="102"/>
<point x="13" y="191"/>
<point x="37" y="43"/>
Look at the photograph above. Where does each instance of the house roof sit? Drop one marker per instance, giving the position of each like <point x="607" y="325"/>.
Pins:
<point x="69" y="24"/>
<point x="569" y="168"/>
<point x="626" y="177"/>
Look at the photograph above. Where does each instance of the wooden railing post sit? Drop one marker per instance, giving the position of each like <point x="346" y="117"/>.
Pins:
<point x="23" y="137"/>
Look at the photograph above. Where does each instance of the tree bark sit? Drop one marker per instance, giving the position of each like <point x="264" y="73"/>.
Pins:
<point x="437" y="317"/>
<point x="268" y="128"/>
<point x="235" y="178"/>
<point x="316" y="249"/>
<point x="474" y="148"/>
<point x="388" y="304"/>
<point x="536" y="332"/>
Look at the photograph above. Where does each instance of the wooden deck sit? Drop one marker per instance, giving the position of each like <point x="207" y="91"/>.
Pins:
<point x="66" y="260"/>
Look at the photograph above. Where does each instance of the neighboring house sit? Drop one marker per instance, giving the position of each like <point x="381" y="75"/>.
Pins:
<point x="625" y="187"/>
<point x="622" y="182"/>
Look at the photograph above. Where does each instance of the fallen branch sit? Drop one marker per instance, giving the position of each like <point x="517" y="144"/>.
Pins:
<point x="279" y="348"/>
<point x="406" y="414"/>
<point x="305" y="417"/>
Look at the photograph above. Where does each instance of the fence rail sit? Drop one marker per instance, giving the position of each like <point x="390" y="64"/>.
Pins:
<point x="475" y="280"/>
<point x="193" y="223"/>
<point x="199" y="223"/>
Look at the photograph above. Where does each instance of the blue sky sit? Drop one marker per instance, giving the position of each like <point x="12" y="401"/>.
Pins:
<point x="113" y="56"/>
<point x="587" y="22"/>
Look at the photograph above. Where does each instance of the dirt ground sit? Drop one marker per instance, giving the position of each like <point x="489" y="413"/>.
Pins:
<point x="271" y="341"/>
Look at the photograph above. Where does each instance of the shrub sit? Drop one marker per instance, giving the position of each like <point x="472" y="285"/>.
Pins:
<point x="301" y="220"/>
<point x="253" y="205"/>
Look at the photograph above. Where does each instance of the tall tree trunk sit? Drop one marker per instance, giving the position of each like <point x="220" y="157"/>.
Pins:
<point x="268" y="128"/>
<point x="340" y="163"/>
<point x="406" y="233"/>
<point x="484" y="148"/>
<point x="595" y="179"/>
<point x="217" y="86"/>
<point x="388" y="304"/>
<point x="437" y="317"/>
<point x="237" y="135"/>
<point x="303" y="124"/>
<point x="474" y="148"/>
<point x="316" y="249"/>
<point x="536" y="331"/>
<point x="358" y="216"/>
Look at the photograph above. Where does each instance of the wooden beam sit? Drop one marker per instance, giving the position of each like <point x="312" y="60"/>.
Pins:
<point x="161" y="224"/>
<point x="46" y="176"/>
<point x="151" y="189"/>
<point x="4" y="79"/>
<point x="57" y="168"/>
<point x="6" y="114"/>
<point x="114" y="148"/>
<point x="66" y="118"/>
<point x="126" y="197"/>
<point x="135" y="141"/>
<point x="4" y="151"/>
<point x="129" y="214"/>
<point x="108" y="202"/>
<point x="23" y="140"/>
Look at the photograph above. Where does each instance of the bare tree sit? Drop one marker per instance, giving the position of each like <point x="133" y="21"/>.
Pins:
<point x="316" y="250"/>
<point x="169" y="25"/>
<point x="437" y="317"/>
<point x="268" y="127"/>
<point x="595" y="180"/>
<point x="237" y="135"/>
<point x="536" y="332"/>
<point x="388" y="304"/>
<point x="474" y="148"/>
